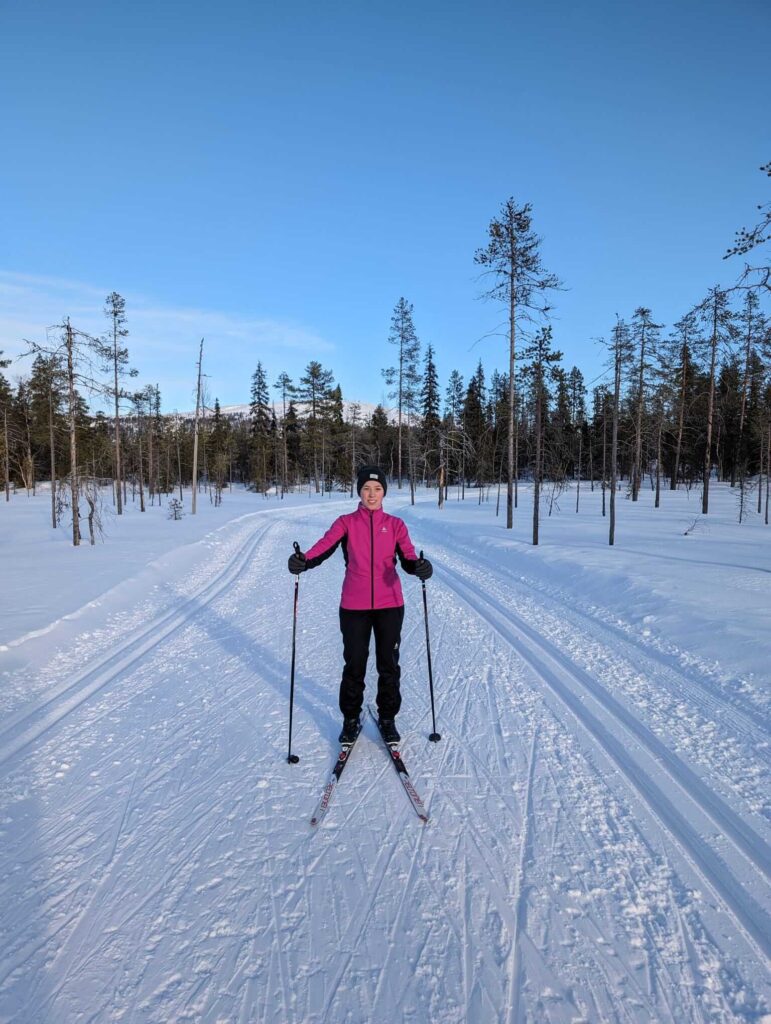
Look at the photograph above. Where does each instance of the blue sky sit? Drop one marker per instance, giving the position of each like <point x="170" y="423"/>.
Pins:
<point x="275" y="176"/>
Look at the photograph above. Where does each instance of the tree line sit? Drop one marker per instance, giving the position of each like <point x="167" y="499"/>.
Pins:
<point x="680" y="405"/>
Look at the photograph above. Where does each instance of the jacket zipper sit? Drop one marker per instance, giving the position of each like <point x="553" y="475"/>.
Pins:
<point x="372" y="554"/>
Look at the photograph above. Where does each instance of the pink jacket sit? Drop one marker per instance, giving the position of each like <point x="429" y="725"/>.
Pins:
<point x="371" y="543"/>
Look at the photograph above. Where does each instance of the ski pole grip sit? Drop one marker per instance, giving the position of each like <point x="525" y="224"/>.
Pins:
<point x="296" y="547"/>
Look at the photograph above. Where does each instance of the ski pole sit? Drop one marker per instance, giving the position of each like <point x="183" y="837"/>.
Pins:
<point x="434" y="737"/>
<point x="290" y="757"/>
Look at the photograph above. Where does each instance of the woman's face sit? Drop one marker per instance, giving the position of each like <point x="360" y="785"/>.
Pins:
<point x="372" y="495"/>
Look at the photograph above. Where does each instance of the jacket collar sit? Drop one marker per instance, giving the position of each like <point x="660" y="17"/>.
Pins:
<point x="376" y="515"/>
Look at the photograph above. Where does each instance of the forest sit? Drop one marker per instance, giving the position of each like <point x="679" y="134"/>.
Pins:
<point x="681" y="404"/>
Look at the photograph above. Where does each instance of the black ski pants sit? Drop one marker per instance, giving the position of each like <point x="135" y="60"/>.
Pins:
<point x="357" y="627"/>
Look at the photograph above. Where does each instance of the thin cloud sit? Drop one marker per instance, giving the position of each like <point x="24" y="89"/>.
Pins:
<point x="160" y="335"/>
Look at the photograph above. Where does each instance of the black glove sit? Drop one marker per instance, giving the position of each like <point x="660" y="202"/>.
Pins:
<point x="296" y="563"/>
<point x="423" y="569"/>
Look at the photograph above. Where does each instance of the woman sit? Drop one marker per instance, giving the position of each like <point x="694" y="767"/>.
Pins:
<point x="371" y="601"/>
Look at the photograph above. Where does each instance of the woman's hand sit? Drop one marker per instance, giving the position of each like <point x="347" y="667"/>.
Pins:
<point x="296" y="563"/>
<point x="423" y="569"/>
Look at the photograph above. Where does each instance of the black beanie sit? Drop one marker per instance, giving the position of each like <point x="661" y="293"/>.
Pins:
<point x="367" y="473"/>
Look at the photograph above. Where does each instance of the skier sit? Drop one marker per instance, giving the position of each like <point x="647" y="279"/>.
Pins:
<point x="371" y="600"/>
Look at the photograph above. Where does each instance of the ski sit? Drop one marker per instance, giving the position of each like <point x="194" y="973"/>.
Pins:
<point x="404" y="775"/>
<point x="329" y="789"/>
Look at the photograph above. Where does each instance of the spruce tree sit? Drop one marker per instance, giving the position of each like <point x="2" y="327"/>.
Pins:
<point x="539" y="368"/>
<point x="314" y="390"/>
<point x="260" y="424"/>
<point x="429" y="412"/>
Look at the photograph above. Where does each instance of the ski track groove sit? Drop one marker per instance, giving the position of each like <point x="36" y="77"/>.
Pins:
<point x="385" y="857"/>
<point x="398" y="918"/>
<point x="473" y="854"/>
<point x="749" y="720"/>
<point x="711" y="866"/>
<point x="21" y="730"/>
<point x="286" y="997"/>
<point x="712" y="805"/>
<point x="516" y="972"/>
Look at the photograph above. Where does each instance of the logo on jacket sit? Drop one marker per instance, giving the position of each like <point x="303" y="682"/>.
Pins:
<point x="384" y="529"/>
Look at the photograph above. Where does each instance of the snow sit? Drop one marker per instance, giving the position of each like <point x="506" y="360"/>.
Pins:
<point x="598" y="844"/>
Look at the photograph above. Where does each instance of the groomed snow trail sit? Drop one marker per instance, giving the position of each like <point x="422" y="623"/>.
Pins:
<point x="598" y="848"/>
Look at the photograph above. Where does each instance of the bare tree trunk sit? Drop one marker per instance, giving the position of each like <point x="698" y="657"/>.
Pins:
<point x="150" y="465"/>
<point x="710" y="416"/>
<point x="141" y="476"/>
<point x="637" y="466"/>
<point x="614" y="446"/>
<point x="743" y="409"/>
<point x="399" y="459"/>
<point x="7" y="456"/>
<point x="604" y="453"/>
<point x="53" y="454"/>
<point x="179" y="464"/>
<point x="441" y="473"/>
<point x="74" y="488"/>
<point x="91" y="511"/>
<point x="680" y="421"/>
<point x="580" y="452"/>
<point x="512" y="362"/>
<point x="286" y="461"/>
<point x="516" y="464"/>
<point x="118" y="460"/>
<point x="760" y="473"/>
<point x="195" y="434"/>
<point x="537" y="473"/>
<point x="658" y="463"/>
<point x="768" y="467"/>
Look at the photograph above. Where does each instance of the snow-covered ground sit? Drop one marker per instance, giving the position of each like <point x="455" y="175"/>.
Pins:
<point x="598" y="848"/>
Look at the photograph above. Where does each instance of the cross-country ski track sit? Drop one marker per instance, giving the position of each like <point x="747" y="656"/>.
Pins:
<point x="597" y="848"/>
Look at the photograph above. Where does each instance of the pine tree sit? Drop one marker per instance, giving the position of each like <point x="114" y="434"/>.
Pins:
<point x="752" y="327"/>
<point x="403" y="378"/>
<point x="512" y="260"/>
<point x="114" y="356"/>
<point x="718" y="319"/>
<point x="645" y="336"/>
<point x="621" y="349"/>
